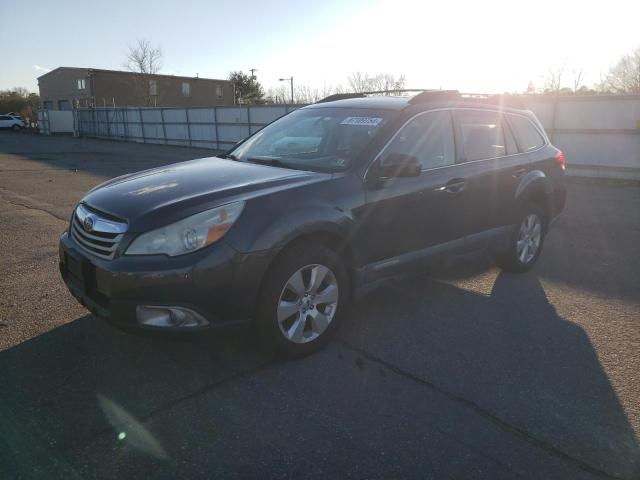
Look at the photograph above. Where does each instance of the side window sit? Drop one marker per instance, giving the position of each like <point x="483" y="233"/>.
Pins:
<point x="186" y="89"/>
<point x="482" y="134"/>
<point x="528" y="136"/>
<point x="4" y="117"/>
<point x="428" y="137"/>
<point x="508" y="136"/>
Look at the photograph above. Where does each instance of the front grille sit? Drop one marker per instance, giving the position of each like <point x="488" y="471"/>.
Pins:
<point x="102" y="239"/>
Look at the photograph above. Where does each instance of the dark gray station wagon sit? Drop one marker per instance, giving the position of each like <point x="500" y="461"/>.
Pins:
<point x="282" y="230"/>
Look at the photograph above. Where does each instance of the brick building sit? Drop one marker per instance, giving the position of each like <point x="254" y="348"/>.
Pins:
<point x="66" y="87"/>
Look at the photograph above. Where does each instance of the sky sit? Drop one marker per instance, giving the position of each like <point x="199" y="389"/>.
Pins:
<point x="476" y="46"/>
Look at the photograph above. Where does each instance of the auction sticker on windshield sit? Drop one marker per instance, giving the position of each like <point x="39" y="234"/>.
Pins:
<point x="368" y="121"/>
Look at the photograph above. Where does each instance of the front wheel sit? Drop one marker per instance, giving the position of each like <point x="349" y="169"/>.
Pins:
<point x="16" y="128"/>
<point x="302" y="300"/>
<point x="526" y="242"/>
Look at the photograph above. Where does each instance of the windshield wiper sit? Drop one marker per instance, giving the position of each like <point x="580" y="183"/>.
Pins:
<point x="230" y="156"/>
<point x="274" y="162"/>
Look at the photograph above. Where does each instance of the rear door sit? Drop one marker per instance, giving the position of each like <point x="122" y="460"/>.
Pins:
<point x="5" y="121"/>
<point x="492" y="169"/>
<point x="408" y="214"/>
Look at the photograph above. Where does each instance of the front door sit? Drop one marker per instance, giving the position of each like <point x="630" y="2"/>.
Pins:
<point x="411" y="214"/>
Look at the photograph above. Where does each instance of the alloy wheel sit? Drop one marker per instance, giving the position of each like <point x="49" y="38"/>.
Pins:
<point x="529" y="237"/>
<point x="307" y="303"/>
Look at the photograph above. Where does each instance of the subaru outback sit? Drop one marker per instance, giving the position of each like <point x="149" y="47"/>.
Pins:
<point x="284" y="229"/>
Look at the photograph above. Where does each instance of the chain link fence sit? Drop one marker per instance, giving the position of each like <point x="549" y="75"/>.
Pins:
<point x="213" y="127"/>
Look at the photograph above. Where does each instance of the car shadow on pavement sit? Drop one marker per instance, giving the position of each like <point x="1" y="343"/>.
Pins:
<point x="61" y="388"/>
<point x="506" y="356"/>
<point x="506" y="353"/>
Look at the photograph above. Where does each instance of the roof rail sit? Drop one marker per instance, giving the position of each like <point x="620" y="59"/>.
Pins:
<point x="340" y="96"/>
<point x="434" y="96"/>
<point x="344" y="96"/>
<point x="426" y="95"/>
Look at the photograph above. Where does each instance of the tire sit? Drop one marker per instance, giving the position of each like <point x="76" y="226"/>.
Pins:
<point x="16" y="128"/>
<point x="531" y="229"/>
<point x="291" y="317"/>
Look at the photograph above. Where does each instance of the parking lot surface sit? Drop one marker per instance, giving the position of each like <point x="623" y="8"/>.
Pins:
<point x="463" y="372"/>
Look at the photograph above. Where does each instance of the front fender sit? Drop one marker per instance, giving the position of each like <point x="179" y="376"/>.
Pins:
<point x="295" y="223"/>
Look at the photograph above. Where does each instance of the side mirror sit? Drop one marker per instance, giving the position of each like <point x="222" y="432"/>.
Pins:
<point x="398" y="165"/>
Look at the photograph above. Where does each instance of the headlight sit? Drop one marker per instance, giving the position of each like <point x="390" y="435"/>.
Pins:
<point x="188" y="235"/>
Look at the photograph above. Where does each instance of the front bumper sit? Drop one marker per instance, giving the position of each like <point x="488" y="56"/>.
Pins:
<point x="218" y="283"/>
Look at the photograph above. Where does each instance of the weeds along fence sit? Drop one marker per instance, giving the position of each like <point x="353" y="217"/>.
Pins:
<point x="211" y="127"/>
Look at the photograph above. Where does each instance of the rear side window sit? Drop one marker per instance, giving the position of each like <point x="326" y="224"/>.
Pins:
<point x="482" y="134"/>
<point x="527" y="135"/>
<point x="428" y="137"/>
<point x="512" y="149"/>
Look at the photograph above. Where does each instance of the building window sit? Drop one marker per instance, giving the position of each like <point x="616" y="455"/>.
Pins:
<point x="81" y="84"/>
<point x="186" y="89"/>
<point x="47" y="105"/>
<point x="64" y="105"/>
<point x="153" y="87"/>
<point x="219" y="91"/>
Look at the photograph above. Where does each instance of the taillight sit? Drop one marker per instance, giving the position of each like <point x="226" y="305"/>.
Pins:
<point x="560" y="159"/>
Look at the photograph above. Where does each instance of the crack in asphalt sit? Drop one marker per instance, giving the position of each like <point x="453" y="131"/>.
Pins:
<point x="31" y="207"/>
<point x="177" y="401"/>
<point x="499" y="422"/>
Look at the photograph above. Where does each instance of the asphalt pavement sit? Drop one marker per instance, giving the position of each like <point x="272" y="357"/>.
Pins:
<point x="462" y="372"/>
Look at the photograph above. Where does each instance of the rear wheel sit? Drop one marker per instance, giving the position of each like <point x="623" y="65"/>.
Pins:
<point x="526" y="242"/>
<point x="302" y="300"/>
<point x="15" y="128"/>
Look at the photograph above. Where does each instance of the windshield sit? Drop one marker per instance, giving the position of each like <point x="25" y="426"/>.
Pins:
<point x="326" y="139"/>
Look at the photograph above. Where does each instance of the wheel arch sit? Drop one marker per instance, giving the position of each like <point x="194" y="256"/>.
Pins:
<point x="536" y="188"/>
<point x="327" y="235"/>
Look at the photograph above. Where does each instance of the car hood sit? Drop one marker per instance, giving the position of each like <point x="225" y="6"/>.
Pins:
<point x="159" y="196"/>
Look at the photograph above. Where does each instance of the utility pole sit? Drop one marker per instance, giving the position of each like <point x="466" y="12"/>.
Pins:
<point x="253" y="70"/>
<point x="290" y="79"/>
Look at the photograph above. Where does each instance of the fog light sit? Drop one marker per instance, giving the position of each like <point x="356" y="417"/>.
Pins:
<point x="169" y="317"/>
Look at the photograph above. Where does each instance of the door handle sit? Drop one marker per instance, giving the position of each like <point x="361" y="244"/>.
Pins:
<point x="456" y="185"/>
<point x="519" y="173"/>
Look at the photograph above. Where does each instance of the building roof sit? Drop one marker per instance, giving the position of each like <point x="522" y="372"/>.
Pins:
<point x="124" y="72"/>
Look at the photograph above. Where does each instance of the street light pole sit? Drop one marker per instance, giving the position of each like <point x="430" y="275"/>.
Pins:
<point x="290" y="79"/>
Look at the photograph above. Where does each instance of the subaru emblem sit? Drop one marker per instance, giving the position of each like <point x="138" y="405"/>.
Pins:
<point x="87" y="223"/>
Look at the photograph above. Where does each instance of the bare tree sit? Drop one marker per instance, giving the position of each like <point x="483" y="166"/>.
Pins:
<point x="144" y="60"/>
<point x="280" y="95"/>
<point x="624" y="76"/>
<point x="531" y="88"/>
<point x="577" y="79"/>
<point x="553" y="81"/>
<point x="303" y="93"/>
<point x="306" y="94"/>
<point x="359" y="82"/>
